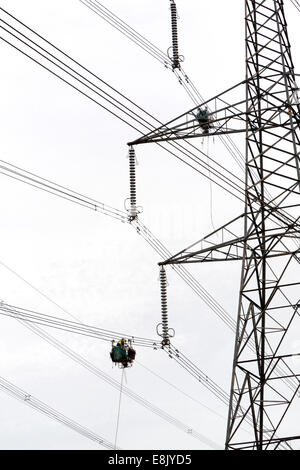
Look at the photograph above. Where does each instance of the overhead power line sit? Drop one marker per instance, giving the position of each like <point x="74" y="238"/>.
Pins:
<point x="31" y="316"/>
<point x="173" y="352"/>
<point x="138" y="122"/>
<point x="170" y="384"/>
<point x="182" y="77"/>
<point x="187" y="277"/>
<point x="128" y="31"/>
<point x="115" y="384"/>
<point x="28" y="399"/>
<point x="71" y="326"/>
<point x="107" y="15"/>
<point x="197" y="373"/>
<point x="296" y="4"/>
<point x="75" y="197"/>
<point x="99" y="373"/>
<point x="25" y="316"/>
<point x="63" y="192"/>
<point x="51" y="187"/>
<point x="80" y="78"/>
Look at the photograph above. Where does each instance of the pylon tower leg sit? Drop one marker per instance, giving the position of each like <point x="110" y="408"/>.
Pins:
<point x="264" y="386"/>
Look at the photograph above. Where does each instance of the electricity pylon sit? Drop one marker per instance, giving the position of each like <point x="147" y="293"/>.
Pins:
<point x="265" y="237"/>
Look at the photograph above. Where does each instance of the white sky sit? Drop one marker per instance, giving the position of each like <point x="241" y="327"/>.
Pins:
<point x="91" y="265"/>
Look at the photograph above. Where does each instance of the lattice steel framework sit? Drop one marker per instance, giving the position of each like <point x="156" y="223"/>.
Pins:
<point x="268" y="303"/>
<point x="264" y="385"/>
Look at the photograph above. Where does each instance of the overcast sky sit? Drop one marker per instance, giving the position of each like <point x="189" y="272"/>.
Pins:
<point x="95" y="267"/>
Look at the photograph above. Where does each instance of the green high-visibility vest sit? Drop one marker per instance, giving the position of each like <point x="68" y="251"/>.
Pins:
<point x="118" y="354"/>
<point x="202" y="115"/>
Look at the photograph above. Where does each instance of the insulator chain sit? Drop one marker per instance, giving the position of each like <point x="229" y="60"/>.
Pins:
<point x="165" y="332"/>
<point x="132" y="209"/>
<point x="132" y="181"/>
<point x="176" y="59"/>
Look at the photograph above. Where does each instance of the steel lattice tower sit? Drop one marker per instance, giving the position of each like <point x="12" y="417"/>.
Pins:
<point x="264" y="385"/>
<point x="267" y="305"/>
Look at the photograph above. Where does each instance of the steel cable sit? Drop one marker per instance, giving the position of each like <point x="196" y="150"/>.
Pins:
<point x="43" y="408"/>
<point x="112" y="382"/>
<point x="155" y="52"/>
<point x="71" y="326"/>
<point x="121" y="107"/>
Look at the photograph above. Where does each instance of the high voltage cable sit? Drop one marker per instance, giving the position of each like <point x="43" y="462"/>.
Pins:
<point x="182" y="360"/>
<point x="198" y="374"/>
<point x="128" y="31"/>
<point x="43" y="408"/>
<point x="181" y="75"/>
<point x="78" y="198"/>
<point x="114" y="383"/>
<point x="76" y="63"/>
<point x="72" y="75"/>
<point x="21" y="315"/>
<point x="73" y="61"/>
<point x="70" y="326"/>
<point x="178" y="356"/>
<point x="107" y="335"/>
<point x="125" y="111"/>
<point x="184" y="274"/>
<point x="155" y="52"/>
<point x="177" y="146"/>
<point x="296" y="4"/>
<point x="231" y="185"/>
<point x="38" y="291"/>
<point x="181" y="391"/>
<point x="191" y="156"/>
<point x="100" y="374"/>
<point x="197" y="288"/>
<point x="25" y="315"/>
<point x="65" y="193"/>
<point x="51" y="187"/>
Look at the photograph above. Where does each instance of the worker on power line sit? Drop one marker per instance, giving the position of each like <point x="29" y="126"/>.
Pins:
<point x="121" y="343"/>
<point x="122" y="353"/>
<point x="203" y="118"/>
<point x="118" y="353"/>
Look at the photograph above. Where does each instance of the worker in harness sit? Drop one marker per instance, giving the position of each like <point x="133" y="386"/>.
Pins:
<point x="122" y="353"/>
<point x="203" y="119"/>
<point x="121" y="343"/>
